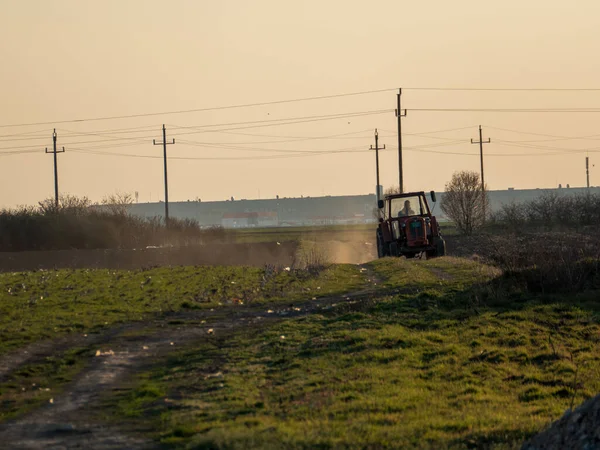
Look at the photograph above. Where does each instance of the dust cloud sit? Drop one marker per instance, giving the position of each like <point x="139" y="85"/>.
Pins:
<point x="345" y="252"/>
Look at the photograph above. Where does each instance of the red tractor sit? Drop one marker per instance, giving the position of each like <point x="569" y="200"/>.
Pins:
<point x="408" y="228"/>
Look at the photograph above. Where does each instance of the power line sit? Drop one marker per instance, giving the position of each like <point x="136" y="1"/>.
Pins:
<point x="18" y="152"/>
<point x="271" y="122"/>
<point x="233" y="147"/>
<point x="545" y="135"/>
<point x="121" y="130"/>
<point x="288" y="121"/>
<point x="74" y="143"/>
<point x="251" y="124"/>
<point x="293" y="100"/>
<point x="448" y="142"/>
<point x="490" y="154"/>
<point x="293" y="138"/>
<point x="216" y="158"/>
<point x="510" y="110"/>
<point x="544" y="147"/>
<point x="503" y="89"/>
<point x="28" y="133"/>
<point x="70" y="133"/>
<point x="186" y="111"/>
<point x="446" y="130"/>
<point x="307" y="154"/>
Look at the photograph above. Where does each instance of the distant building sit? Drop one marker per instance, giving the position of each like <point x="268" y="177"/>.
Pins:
<point x="328" y="210"/>
<point x="249" y="219"/>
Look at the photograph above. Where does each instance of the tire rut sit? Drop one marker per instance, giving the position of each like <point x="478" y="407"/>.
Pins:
<point x="68" y="422"/>
<point x="39" y="351"/>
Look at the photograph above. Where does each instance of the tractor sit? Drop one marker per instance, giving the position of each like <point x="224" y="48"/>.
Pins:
<point x="408" y="228"/>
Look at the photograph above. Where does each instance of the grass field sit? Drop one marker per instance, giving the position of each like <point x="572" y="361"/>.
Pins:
<point x="346" y="233"/>
<point x="47" y="304"/>
<point x="36" y="307"/>
<point x="426" y="368"/>
<point x="319" y="233"/>
<point x="429" y="354"/>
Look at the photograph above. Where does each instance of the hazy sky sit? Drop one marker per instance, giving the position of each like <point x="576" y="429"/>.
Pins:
<point x="72" y="59"/>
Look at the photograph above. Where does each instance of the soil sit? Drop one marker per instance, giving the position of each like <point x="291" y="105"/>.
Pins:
<point x="69" y="421"/>
<point x="247" y="254"/>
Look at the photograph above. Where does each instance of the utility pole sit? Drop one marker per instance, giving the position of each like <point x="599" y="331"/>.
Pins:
<point x="587" y="170"/>
<point x="481" y="142"/>
<point x="399" y="115"/>
<point x="55" y="151"/>
<point x="164" y="143"/>
<point x="377" y="148"/>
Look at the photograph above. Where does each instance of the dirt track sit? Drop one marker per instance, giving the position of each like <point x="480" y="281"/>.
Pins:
<point x="69" y="422"/>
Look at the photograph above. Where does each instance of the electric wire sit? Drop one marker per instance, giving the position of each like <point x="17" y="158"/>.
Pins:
<point x="202" y="128"/>
<point x="195" y="110"/>
<point x="509" y="110"/>
<point x="293" y="100"/>
<point x="501" y="89"/>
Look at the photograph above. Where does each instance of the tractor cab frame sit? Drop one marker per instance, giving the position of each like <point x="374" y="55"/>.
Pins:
<point x="407" y="227"/>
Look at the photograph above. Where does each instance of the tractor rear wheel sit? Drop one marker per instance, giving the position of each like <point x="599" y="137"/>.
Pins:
<point x="380" y="245"/>
<point x="439" y="248"/>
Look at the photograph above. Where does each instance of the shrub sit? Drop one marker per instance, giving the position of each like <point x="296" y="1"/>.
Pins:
<point x="77" y="224"/>
<point x="551" y="211"/>
<point x="549" y="262"/>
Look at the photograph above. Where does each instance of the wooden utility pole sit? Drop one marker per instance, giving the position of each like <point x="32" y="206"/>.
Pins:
<point x="164" y="143"/>
<point x="587" y="170"/>
<point x="55" y="152"/>
<point x="377" y="148"/>
<point x="399" y="115"/>
<point x="481" y="142"/>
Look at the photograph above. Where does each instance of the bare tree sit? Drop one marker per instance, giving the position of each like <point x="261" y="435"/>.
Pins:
<point x="392" y="190"/>
<point x="464" y="202"/>
<point x="118" y="203"/>
<point x="66" y="203"/>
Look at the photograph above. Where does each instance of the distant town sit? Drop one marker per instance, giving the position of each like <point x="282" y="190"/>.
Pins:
<point x="313" y="211"/>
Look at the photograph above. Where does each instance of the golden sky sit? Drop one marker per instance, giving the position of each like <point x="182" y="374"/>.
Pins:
<point x="64" y="60"/>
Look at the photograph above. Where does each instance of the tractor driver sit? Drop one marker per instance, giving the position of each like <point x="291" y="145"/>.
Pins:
<point x="406" y="210"/>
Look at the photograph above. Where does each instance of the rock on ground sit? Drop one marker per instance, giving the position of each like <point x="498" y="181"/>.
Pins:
<point x="576" y="430"/>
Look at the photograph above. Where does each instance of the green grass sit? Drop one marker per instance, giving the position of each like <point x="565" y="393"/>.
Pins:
<point x="360" y="232"/>
<point x="419" y="368"/>
<point x="35" y="384"/>
<point x="46" y="304"/>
